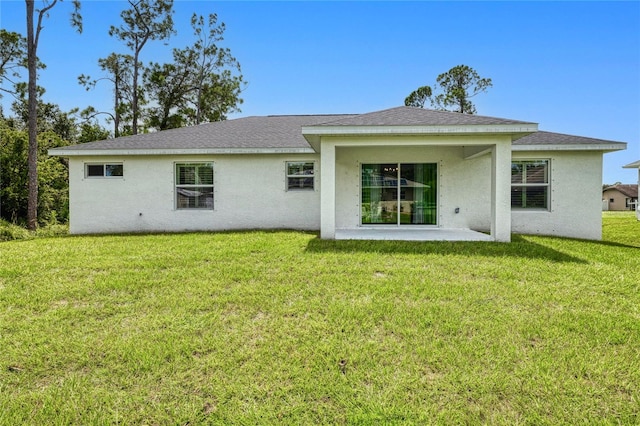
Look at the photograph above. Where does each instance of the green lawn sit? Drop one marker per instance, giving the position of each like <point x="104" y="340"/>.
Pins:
<point x="284" y="328"/>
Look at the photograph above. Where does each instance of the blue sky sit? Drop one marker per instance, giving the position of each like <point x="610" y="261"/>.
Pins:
<point x="572" y="67"/>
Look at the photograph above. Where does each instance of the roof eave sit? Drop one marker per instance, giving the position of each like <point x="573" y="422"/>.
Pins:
<point x="634" y="165"/>
<point x="70" y="152"/>
<point x="611" y="147"/>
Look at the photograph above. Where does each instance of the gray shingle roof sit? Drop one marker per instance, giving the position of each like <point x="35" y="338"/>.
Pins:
<point x="412" y="116"/>
<point x="549" y="138"/>
<point x="279" y="131"/>
<point x="285" y="131"/>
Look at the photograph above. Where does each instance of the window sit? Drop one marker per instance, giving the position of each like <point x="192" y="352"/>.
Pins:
<point x="103" y="170"/>
<point x="194" y="186"/>
<point x="530" y="184"/>
<point x="399" y="194"/>
<point x="300" y="176"/>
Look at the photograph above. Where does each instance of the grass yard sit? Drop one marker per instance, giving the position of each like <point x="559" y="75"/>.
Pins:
<point x="284" y="328"/>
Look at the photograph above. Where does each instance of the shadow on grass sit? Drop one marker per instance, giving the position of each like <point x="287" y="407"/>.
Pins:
<point x="519" y="247"/>
<point x="612" y="244"/>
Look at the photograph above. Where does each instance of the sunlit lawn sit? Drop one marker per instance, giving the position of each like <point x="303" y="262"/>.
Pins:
<point x="284" y="328"/>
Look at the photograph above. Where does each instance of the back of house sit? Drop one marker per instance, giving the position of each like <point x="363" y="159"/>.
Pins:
<point x="402" y="172"/>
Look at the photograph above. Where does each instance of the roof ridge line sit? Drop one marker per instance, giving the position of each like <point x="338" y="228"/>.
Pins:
<point x="303" y="115"/>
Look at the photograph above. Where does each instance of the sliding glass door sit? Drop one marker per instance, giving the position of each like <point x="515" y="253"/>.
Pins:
<point x="399" y="194"/>
<point x="379" y="193"/>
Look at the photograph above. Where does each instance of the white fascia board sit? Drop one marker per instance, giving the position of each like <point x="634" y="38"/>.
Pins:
<point x="206" y="151"/>
<point x="634" y="165"/>
<point x="571" y="147"/>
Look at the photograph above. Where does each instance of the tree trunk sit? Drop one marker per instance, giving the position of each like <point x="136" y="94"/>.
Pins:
<point x="134" y="100"/>
<point x="116" y="119"/>
<point x="32" y="158"/>
<point x="199" y="99"/>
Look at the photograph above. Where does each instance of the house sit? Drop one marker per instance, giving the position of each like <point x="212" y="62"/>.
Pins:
<point x="399" y="173"/>
<point x="620" y="197"/>
<point x="635" y="165"/>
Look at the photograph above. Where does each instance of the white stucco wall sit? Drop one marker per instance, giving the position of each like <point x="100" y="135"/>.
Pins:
<point x="249" y="192"/>
<point x="576" y="194"/>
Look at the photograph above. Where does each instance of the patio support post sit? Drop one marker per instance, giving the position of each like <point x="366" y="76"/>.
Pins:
<point x="638" y="200"/>
<point x="328" y="191"/>
<point x="501" y="192"/>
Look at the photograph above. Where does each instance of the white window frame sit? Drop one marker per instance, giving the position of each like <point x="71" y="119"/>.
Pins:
<point x="524" y="184"/>
<point x="287" y="176"/>
<point x="104" y="170"/>
<point x="190" y="187"/>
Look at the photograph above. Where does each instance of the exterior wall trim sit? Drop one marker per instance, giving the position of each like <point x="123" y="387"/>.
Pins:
<point x="208" y="151"/>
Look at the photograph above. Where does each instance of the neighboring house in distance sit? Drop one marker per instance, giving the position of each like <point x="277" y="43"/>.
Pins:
<point x="400" y="173"/>
<point x="620" y="197"/>
<point x="635" y="165"/>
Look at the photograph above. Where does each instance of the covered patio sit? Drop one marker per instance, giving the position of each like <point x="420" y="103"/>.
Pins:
<point x="457" y="170"/>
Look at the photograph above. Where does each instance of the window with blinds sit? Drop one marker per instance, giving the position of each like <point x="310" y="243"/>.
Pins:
<point x="194" y="186"/>
<point x="530" y="184"/>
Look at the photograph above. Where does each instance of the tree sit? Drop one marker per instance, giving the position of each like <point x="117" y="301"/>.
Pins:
<point x="13" y="57"/>
<point x="457" y="86"/>
<point x="55" y="128"/>
<point x="202" y="84"/>
<point x="418" y="97"/>
<point x="72" y="127"/>
<point x="50" y="118"/>
<point x="119" y="72"/>
<point x="145" y="20"/>
<point x="90" y="131"/>
<point x="33" y="37"/>
<point x="168" y="85"/>
<point x="52" y="177"/>
<point x="217" y="89"/>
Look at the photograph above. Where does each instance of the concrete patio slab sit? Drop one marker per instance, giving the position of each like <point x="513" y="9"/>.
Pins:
<point x="403" y="234"/>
